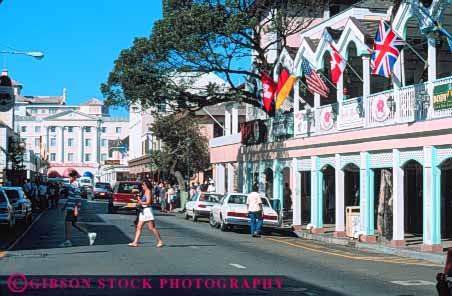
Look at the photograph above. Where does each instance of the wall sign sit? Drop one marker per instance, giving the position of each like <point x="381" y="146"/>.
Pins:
<point x="442" y="97"/>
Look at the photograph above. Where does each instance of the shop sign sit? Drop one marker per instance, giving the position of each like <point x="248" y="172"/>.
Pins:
<point x="442" y="97"/>
<point x="112" y="162"/>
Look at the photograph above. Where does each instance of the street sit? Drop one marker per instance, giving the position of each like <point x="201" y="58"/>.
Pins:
<point x="196" y="249"/>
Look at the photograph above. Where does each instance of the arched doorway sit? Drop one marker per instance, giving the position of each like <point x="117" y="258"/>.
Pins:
<point x="413" y="198"/>
<point x="351" y="185"/>
<point x="353" y="86"/>
<point x="446" y="200"/>
<point x="329" y="194"/>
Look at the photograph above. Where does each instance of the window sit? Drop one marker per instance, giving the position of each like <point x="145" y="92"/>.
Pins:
<point x="70" y="129"/>
<point x="103" y="157"/>
<point x="53" y="142"/>
<point x="87" y="142"/>
<point x="128" y="187"/>
<point x="34" y="111"/>
<point x="103" y="142"/>
<point x="70" y="142"/>
<point x="118" y="130"/>
<point x="52" y="156"/>
<point x="24" y="129"/>
<point x="88" y="129"/>
<point x="43" y="111"/>
<point x="104" y="129"/>
<point x="70" y="157"/>
<point x="37" y="142"/>
<point x="37" y="129"/>
<point x="52" y="110"/>
<point x="88" y="157"/>
<point x="52" y="129"/>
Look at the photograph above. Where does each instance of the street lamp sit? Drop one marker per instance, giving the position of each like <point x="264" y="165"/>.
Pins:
<point x="36" y="54"/>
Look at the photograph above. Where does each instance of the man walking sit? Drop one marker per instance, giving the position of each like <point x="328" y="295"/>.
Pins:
<point x="255" y="212"/>
<point x="72" y="208"/>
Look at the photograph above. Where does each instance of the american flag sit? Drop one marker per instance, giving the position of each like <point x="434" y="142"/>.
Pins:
<point x="315" y="84"/>
<point x="386" y="51"/>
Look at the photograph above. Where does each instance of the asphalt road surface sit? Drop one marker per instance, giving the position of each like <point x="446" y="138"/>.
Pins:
<point x="197" y="260"/>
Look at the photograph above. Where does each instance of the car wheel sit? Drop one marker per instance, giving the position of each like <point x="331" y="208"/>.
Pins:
<point x="194" y="218"/>
<point x="223" y="226"/>
<point x="186" y="215"/>
<point x="29" y="219"/>
<point x="111" y="209"/>
<point x="212" y="221"/>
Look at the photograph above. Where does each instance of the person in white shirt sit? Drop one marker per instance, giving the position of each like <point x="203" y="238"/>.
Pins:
<point x="255" y="212"/>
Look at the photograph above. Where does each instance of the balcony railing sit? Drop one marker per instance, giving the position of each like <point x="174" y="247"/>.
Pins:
<point x="280" y="128"/>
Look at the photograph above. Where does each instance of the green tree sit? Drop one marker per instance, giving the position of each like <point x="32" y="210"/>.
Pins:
<point x="182" y="143"/>
<point x="203" y="37"/>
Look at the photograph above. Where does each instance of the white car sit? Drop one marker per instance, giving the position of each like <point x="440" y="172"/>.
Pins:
<point x="200" y="205"/>
<point x="232" y="211"/>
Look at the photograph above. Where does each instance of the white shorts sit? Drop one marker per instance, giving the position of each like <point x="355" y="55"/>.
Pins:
<point x="146" y="215"/>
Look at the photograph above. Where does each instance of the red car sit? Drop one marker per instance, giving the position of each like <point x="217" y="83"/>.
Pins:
<point x="124" y="196"/>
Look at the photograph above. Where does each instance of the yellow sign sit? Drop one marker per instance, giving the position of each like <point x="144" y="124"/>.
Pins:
<point x="112" y="162"/>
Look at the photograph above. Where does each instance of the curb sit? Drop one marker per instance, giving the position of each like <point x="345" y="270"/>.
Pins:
<point x="11" y="246"/>
<point x="432" y="257"/>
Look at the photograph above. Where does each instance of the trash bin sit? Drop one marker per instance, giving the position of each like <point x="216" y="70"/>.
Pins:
<point x="352" y="222"/>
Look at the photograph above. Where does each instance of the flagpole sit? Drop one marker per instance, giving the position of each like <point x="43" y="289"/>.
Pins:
<point x="354" y="71"/>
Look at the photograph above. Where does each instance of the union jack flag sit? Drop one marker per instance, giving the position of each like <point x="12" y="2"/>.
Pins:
<point x="386" y="50"/>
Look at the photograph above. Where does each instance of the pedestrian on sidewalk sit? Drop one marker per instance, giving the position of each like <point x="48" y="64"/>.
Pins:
<point x="146" y="216"/>
<point x="171" y="198"/>
<point x="255" y="212"/>
<point x="72" y="208"/>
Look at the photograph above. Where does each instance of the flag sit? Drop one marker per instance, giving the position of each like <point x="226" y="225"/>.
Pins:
<point x="338" y="63"/>
<point x="268" y="93"/>
<point x="386" y="50"/>
<point x="315" y="84"/>
<point x="285" y="85"/>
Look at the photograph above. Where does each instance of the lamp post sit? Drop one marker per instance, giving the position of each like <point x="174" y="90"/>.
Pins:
<point x="35" y="54"/>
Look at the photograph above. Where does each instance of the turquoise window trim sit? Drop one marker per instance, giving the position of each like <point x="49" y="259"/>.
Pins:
<point x="319" y="223"/>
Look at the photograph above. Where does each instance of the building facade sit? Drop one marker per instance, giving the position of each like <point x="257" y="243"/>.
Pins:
<point x="336" y="150"/>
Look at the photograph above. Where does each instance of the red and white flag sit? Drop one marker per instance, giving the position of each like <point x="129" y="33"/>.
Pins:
<point x="268" y="92"/>
<point x="338" y="62"/>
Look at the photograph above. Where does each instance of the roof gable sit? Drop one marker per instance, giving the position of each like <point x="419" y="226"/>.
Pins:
<point x="71" y="115"/>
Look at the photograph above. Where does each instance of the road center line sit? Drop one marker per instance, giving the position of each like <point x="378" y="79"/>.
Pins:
<point x="237" y="265"/>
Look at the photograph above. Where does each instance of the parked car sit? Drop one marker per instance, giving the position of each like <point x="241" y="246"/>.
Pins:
<point x="124" y="196"/>
<point x="231" y="211"/>
<point x="200" y="205"/>
<point x="6" y="211"/>
<point x="21" y="204"/>
<point x="102" y="190"/>
<point x="86" y="191"/>
<point x="85" y="181"/>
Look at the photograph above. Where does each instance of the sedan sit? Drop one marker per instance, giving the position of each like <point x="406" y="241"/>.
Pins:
<point x="200" y="205"/>
<point x="20" y="204"/>
<point x="102" y="191"/>
<point x="232" y="211"/>
<point x="6" y="211"/>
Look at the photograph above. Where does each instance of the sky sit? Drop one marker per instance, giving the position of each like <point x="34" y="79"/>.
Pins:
<point x="80" y="40"/>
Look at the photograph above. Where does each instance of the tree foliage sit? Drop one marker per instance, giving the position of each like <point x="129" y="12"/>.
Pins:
<point x="200" y="37"/>
<point x="182" y="145"/>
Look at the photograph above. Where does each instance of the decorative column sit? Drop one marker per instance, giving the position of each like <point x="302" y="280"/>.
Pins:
<point x="59" y="148"/>
<point x="235" y="118"/>
<point x="230" y="169"/>
<point x="227" y="120"/>
<point x="366" y="75"/>
<point x="96" y="145"/>
<point x="221" y="176"/>
<point x="261" y="184"/>
<point x="431" y="59"/>
<point x="62" y="144"/>
<point x="45" y="144"/>
<point x="366" y="199"/>
<point x="316" y="110"/>
<point x="339" y="207"/>
<point x="398" y="222"/>
<point x="81" y="144"/>
<point x="277" y="198"/>
<point x="432" y="202"/>
<point x="316" y="196"/>
<point x="296" y="195"/>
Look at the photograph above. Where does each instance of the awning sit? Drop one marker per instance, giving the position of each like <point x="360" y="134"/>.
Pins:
<point x="88" y="174"/>
<point x="67" y="171"/>
<point x="53" y="174"/>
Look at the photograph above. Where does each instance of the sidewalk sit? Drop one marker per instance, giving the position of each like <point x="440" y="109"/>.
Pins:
<point x="376" y="247"/>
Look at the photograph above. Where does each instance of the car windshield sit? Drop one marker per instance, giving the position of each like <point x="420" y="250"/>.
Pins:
<point x="208" y="198"/>
<point x="265" y="202"/>
<point x="13" y="195"/>
<point x="128" y="187"/>
<point x="85" y="181"/>
<point x="103" y="185"/>
<point x="237" y="199"/>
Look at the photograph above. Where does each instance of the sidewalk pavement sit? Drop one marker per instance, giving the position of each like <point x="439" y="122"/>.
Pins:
<point x="376" y="247"/>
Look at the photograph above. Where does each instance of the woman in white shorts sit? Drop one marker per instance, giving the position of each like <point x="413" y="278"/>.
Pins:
<point x="146" y="216"/>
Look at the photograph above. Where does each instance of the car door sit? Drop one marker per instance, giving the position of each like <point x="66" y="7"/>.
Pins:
<point x="191" y="204"/>
<point x="224" y="207"/>
<point x="217" y="208"/>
